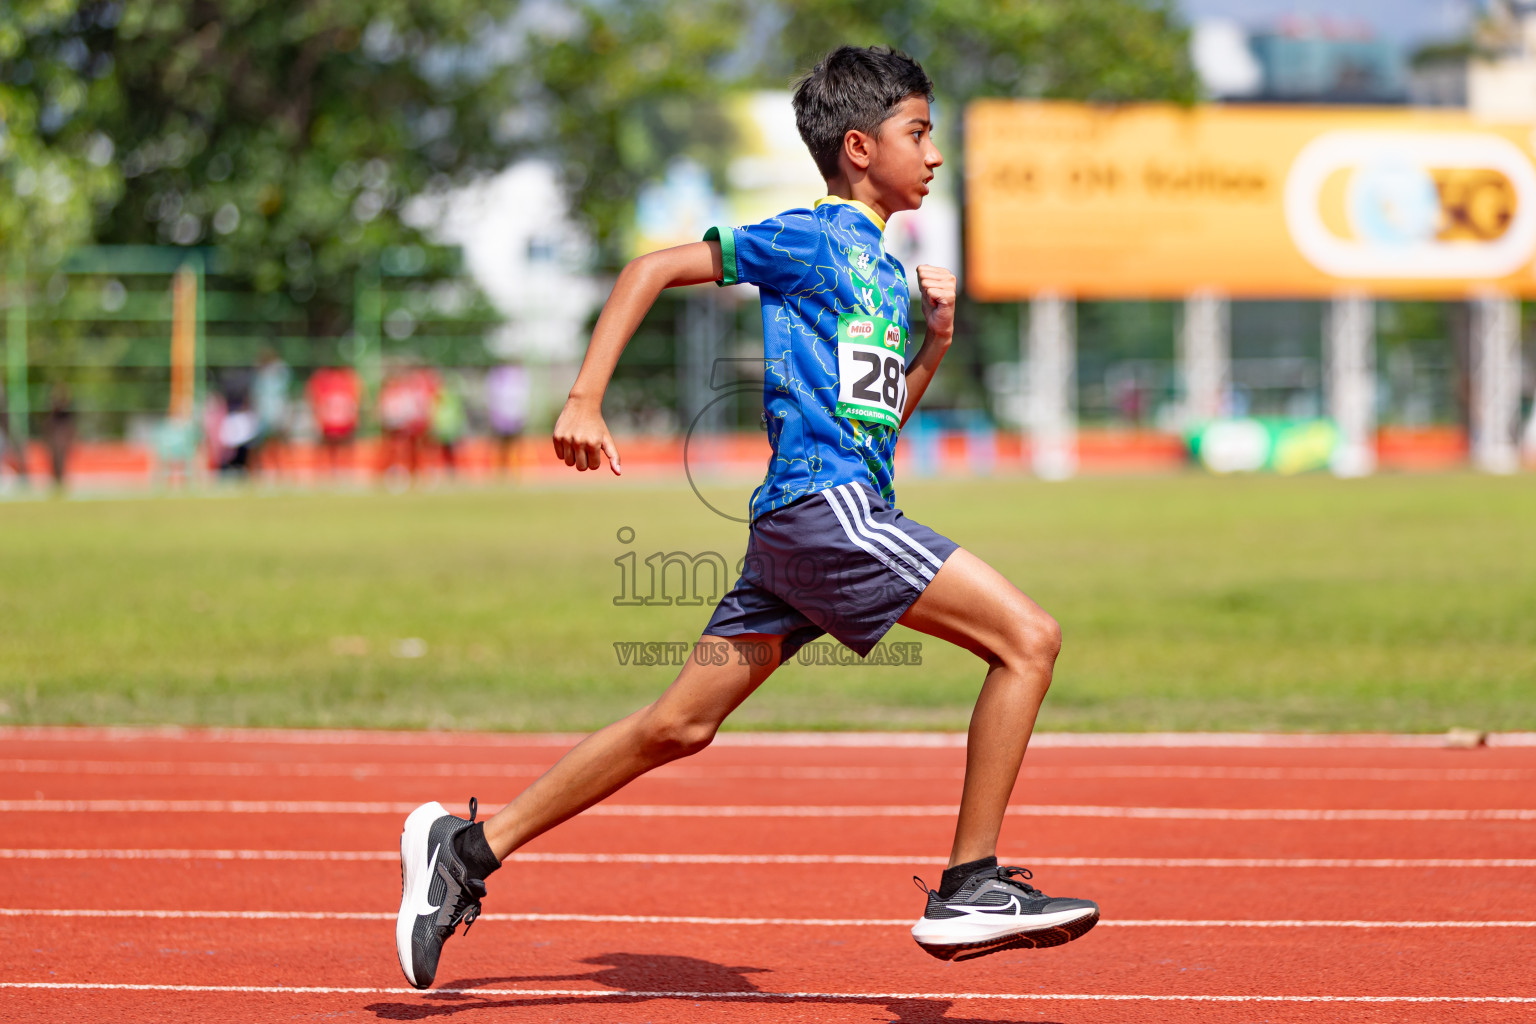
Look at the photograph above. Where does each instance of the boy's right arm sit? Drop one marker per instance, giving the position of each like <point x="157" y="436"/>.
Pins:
<point x="581" y="436"/>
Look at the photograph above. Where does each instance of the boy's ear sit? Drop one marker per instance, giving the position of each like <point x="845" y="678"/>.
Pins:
<point x="857" y="147"/>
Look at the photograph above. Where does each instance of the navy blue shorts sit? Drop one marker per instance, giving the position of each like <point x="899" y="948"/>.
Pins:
<point x="841" y="561"/>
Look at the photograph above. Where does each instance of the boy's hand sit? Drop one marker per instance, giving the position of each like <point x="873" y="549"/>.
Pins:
<point x="582" y="438"/>
<point x="937" y="286"/>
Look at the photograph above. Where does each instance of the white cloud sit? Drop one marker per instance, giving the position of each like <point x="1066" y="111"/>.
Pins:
<point x="1219" y="49"/>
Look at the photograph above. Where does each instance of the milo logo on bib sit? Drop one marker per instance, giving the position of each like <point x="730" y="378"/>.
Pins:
<point x="871" y="370"/>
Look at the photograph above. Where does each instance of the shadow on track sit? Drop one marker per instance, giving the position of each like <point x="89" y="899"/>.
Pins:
<point x="640" y="973"/>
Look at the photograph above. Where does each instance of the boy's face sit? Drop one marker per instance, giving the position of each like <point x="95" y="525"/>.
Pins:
<point x="903" y="157"/>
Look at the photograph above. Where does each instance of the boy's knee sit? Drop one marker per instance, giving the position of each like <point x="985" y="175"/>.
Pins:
<point x="1047" y="633"/>
<point x="1035" y="640"/>
<point x="668" y="738"/>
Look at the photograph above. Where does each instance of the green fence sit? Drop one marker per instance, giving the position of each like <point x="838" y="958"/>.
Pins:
<point x="100" y="325"/>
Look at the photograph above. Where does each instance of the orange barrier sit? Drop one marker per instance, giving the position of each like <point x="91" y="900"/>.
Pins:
<point x="947" y="453"/>
<point x="1420" y="448"/>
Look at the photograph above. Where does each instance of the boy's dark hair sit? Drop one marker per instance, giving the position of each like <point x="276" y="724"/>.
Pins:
<point x="853" y="89"/>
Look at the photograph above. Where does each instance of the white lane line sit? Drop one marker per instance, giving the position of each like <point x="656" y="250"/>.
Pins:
<point x="438" y="769"/>
<point x="784" y="811"/>
<point x="753" y="922"/>
<point x="271" y="769"/>
<point x="391" y="856"/>
<point x="888" y="740"/>
<point x="597" y="994"/>
<point x="1066" y="811"/>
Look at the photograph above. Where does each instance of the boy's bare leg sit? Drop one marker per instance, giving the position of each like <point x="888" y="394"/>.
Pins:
<point x="681" y="722"/>
<point x="971" y="604"/>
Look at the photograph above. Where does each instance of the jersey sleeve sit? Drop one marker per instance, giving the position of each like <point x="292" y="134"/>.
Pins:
<point x="778" y="254"/>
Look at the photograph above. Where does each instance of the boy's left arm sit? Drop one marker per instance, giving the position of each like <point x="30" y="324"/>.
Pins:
<point x="937" y="287"/>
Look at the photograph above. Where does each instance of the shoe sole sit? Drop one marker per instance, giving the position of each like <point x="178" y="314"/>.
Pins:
<point x="1060" y="935"/>
<point x="415" y="881"/>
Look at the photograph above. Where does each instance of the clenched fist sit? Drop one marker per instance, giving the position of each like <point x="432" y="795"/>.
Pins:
<point x="937" y="287"/>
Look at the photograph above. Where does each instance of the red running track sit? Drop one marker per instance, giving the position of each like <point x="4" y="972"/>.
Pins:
<point x="1360" y="881"/>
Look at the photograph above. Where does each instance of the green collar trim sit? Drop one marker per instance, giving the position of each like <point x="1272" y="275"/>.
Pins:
<point x="865" y="210"/>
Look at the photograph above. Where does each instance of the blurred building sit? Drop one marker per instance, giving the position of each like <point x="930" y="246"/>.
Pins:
<point x="526" y="251"/>
<point x="1493" y="72"/>
<point x="1300" y="59"/>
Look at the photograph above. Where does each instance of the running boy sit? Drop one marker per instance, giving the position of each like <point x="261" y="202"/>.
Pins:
<point x="828" y="551"/>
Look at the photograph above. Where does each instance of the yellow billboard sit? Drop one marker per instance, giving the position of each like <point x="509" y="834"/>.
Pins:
<point x="1156" y="200"/>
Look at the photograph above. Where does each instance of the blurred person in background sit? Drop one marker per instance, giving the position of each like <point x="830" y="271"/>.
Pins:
<point x="13" y="453"/>
<point x="60" y="432"/>
<point x="506" y="404"/>
<point x="450" y="420"/>
<point x="335" y="395"/>
<point x="239" y="428"/>
<point x="269" y="393"/>
<point x="214" y="409"/>
<point x="405" y="417"/>
<point x="1130" y="401"/>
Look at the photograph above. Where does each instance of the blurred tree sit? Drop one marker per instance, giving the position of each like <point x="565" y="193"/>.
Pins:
<point x="287" y="133"/>
<point x="55" y="165"/>
<point x="632" y="83"/>
<point x="1108" y="51"/>
<point x="630" y="86"/>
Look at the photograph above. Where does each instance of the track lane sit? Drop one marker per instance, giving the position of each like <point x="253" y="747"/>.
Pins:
<point x="1179" y="961"/>
<point x="730" y="748"/>
<point x="936" y="1008"/>
<point x="928" y="836"/>
<point x="748" y="789"/>
<point x="795" y="958"/>
<point x="783" y="890"/>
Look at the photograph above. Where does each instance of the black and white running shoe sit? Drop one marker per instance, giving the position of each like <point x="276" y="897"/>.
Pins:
<point x="437" y="890"/>
<point x="995" y="909"/>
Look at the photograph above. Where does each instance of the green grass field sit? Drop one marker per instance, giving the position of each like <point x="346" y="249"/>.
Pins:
<point x="1398" y="603"/>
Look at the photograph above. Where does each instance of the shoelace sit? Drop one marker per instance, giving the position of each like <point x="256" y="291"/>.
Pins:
<point x="466" y="906"/>
<point x="1011" y="873"/>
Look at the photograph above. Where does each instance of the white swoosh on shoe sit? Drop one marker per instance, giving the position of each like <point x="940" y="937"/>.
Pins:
<point x="420" y="904"/>
<point x="1013" y="901"/>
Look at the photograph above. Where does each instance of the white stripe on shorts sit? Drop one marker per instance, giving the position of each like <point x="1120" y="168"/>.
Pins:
<point x="863" y="524"/>
<point x="864" y="545"/>
<point x="869" y="517"/>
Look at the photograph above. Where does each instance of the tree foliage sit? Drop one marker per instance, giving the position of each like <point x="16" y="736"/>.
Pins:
<point x="627" y="88"/>
<point x="56" y="164"/>
<point x="289" y="132"/>
<point x="633" y="84"/>
<point x="1108" y="51"/>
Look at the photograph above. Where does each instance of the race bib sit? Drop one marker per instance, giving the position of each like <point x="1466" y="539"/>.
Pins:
<point x="871" y="369"/>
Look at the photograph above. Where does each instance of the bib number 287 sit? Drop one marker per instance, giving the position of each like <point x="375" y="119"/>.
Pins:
<point x="871" y="370"/>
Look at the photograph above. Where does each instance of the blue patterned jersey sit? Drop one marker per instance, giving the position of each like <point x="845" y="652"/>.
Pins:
<point x="835" y="325"/>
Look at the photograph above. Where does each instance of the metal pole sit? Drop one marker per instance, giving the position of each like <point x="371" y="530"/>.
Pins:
<point x="367" y="315"/>
<point x="183" y="403"/>
<point x="1495" y="383"/>
<point x="713" y="376"/>
<point x="199" y="336"/>
<point x="1351" y="377"/>
<point x="16" y="352"/>
<point x="695" y="331"/>
<point x="1205" y="357"/>
<point x="1051" y="344"/>
<point x="1528" y="436"/>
